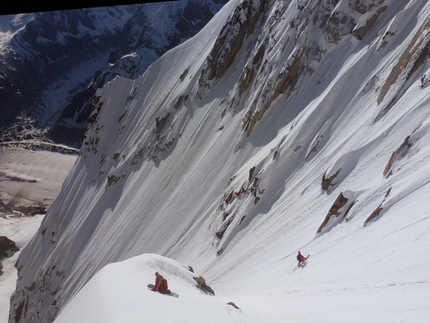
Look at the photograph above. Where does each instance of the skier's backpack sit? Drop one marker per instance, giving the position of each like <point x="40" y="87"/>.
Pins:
<point x="164" y="284"/>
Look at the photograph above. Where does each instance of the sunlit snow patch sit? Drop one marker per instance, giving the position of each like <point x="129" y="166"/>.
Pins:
<point x="119" y="293"/>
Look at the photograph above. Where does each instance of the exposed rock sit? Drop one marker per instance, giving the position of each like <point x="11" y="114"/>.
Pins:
<point x="233" y="304"/>
<point x="4" y="208"/>
<point x="326" y="182"/>
<point x="333" y="19"/>
<point x="337" y="212"/>
<point x="201" y="283"/>
<point x="160" y="123"/>
<point x="376" y="213"/>
<point x="113" y="179"/>
<point x="399" y="153"/>
<point x="338" y="25"/>
<point x="285" y="82"/>
<point x="361" y="31"/>
<point x="36" y="207"/>
<point x="7" y="247"/>
<point x="411" y="59"/>
<point x="248" y="189"/>
<point x="232" y="37"/>
<point x="223" y="227"/>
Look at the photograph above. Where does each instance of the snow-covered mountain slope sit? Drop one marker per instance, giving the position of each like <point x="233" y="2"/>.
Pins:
<point x="124" y="288"/>
<point x="51" y="63"/>
<point x="281" y="126"/>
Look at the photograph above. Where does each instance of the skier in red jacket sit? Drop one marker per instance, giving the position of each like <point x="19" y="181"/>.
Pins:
<point x="301" y="259"/>
<point x="160" y="284"/>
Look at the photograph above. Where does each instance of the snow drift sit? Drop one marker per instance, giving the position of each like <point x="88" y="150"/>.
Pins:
<point x="123" y="291"/>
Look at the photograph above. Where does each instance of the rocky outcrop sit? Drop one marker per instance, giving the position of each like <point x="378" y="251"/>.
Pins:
<point x="333" y="20"/>
<point x="338" y="211"/>
<point x="414" y="57"/>
<point x="234" y="305"/>
<point x="285" y="82"/>
<point x="376" y="214"/>
<point x="231" y="39"/>
<point x="7" y="247"/>
<point x="366" y="22"/>
<point x="326" y="182"/>
<point x="249" y="189"/>
<point x="396" y="155"/>
<point x="201" y="284"/>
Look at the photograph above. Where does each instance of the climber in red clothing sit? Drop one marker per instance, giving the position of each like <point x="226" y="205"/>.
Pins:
<point x="301" y="259"/>
<point x="160" y="284"/>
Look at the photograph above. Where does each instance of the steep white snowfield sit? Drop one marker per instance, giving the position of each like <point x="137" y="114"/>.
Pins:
<point x="123" y="289"/>
<point x="282" y="126"/>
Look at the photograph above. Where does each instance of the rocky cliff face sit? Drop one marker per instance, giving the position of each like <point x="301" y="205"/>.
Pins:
<point x="46" y="53"/>
<point x="49" y="45"/>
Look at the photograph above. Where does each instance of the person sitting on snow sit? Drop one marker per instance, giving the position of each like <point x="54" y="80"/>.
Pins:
<point x="301" y="259"/>
<point x="160" y="284"/>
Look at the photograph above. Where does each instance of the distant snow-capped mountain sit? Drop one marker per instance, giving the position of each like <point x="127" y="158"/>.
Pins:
<point x="280" y="126"/>
<point x="52" y="62"/>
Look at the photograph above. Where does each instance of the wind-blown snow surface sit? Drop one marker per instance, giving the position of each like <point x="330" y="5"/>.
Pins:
<point x="123" y="287"/>
<point x="309" y="140"/>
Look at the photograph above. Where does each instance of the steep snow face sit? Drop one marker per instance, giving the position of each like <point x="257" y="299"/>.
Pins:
<point x="282" y="125"/>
